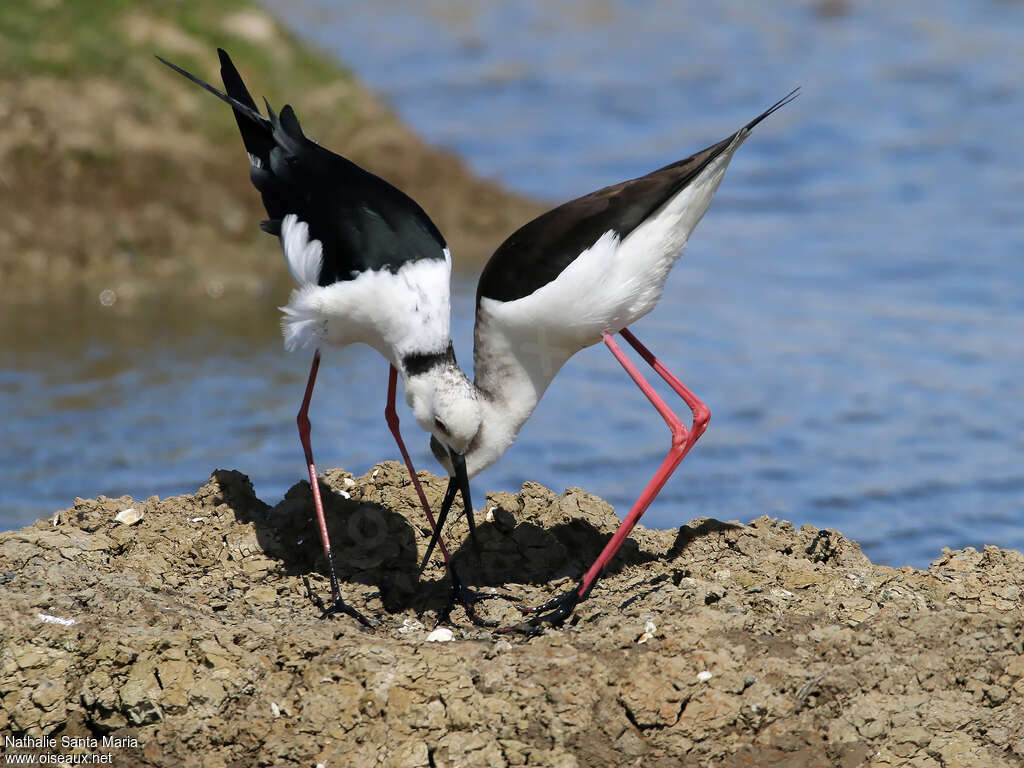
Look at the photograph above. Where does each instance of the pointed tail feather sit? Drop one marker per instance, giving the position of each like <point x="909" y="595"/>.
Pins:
<point x="257" y="139"/>
<point x="259" y="135"/>
<point x="773" y="108"/>
<point x="238" y="106"/>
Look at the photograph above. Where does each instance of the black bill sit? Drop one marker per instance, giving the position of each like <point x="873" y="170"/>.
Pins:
<point x="459" y="481"/>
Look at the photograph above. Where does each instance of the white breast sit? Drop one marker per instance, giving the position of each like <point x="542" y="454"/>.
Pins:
<point x="615" y="282"/>
<point x="396" y="313"/>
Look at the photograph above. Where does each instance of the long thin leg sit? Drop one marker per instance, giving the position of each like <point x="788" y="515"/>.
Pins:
<point x="391" y="417"/>
<point x="302" y="420"/>
<point x="460" y="593"/>
<point x="683" y="440"/>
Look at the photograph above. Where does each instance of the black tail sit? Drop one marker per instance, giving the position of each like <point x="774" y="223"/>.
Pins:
<point x="256" y="136"/>
<point x="261" y="136"/>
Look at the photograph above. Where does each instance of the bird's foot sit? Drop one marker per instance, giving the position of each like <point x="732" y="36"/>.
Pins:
<point x="553" y="613"/>
<point x="337" y="606"/>
<point x="340" y="606"/>
<point x="460" y="594"/>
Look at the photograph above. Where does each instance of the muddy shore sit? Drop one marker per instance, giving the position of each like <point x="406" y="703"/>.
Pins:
<point x="195" y="639"/>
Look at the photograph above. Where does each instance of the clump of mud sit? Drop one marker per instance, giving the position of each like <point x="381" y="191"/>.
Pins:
<point x="187" y="634"/>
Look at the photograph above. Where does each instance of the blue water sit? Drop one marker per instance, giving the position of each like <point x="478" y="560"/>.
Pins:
<point x="851" y="308"/>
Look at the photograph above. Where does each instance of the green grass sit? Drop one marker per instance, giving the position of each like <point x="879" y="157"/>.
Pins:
<point x="78" y="39"/>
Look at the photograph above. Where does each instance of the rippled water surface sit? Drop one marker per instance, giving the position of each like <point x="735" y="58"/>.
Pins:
<point x="851" y="308"/>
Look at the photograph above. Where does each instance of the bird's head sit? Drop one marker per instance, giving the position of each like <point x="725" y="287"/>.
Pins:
<point x="444" y="403"/>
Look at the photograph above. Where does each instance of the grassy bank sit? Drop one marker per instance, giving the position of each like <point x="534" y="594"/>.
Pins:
<point x="118" y="174"/>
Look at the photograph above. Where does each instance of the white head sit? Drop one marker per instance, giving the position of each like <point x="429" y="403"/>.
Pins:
<point x="444" y="402"/>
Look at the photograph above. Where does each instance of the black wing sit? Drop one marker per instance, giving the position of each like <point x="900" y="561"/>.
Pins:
<point x="362" y="222"/>
<point x="538" y="252"/>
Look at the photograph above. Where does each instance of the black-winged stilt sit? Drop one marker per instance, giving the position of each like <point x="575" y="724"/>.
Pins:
<point x="573" y="277"/>
<point x="370" y="267"/>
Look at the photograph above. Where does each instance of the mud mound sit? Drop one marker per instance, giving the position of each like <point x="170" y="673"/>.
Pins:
<point x="195" y="640"/>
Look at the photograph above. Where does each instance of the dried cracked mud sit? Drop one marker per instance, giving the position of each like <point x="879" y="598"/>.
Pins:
<point x="196" y="641"/>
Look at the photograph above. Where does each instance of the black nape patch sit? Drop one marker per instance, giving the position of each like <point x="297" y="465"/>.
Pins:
<point x="421" y="362"/>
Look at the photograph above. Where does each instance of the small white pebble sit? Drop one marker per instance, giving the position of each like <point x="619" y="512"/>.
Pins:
<point x="345" y="494"/>
<point x="644" y="638"/>
<point x="489" y="515"/>
<point x="128" y="516"/>
<point x="349" y="482"/>
<point x="441" y="635"/>
<point x="703" y="676"/>
<point x="650" y="628"/>
<point x="502" y="645"/>
<point x="197" y="520"/>
<point x="274" y="709"/>
<point x="374" y="475"/>
<point x="55" y="520"/>
<point x="320" y="765"/>
<point x="48" y="619"/>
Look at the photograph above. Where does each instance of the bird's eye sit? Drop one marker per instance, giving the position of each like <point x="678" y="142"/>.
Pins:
<point x="441" y="426"/>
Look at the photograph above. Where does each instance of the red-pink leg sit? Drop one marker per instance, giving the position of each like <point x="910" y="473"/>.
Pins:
<point x="460" y="593"/>
<point x="302" y="420"/>
<point x="391" y="416"/>
<point x="682" y="441"/>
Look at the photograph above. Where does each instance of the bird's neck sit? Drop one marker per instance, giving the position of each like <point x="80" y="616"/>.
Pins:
<point x="511" y="374"/>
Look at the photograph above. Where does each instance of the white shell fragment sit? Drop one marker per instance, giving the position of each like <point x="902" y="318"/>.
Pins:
<point x="129" y="516"/>
<point x="275" y="710"/>
<point x="48" y="619"/>
<point x="410" y="625"/>
<point x="441" y="635"/>
<point x="649" y="629"/>
<point x="703" y="676"/>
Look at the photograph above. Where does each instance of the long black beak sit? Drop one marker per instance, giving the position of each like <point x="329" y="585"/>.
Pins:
<point x="459" y="481"/>
<point x="459" y="465"/>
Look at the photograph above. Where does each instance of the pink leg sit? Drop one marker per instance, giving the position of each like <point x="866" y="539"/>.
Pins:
<point x="302" y="420"/>
<point x="460" y="593"/>
<point x="683" y="440"/>
<point x="391" y="416"/>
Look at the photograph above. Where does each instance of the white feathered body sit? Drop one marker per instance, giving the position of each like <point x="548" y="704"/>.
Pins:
<point x="520" y="345"/>
<point x="396" y="312"/>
